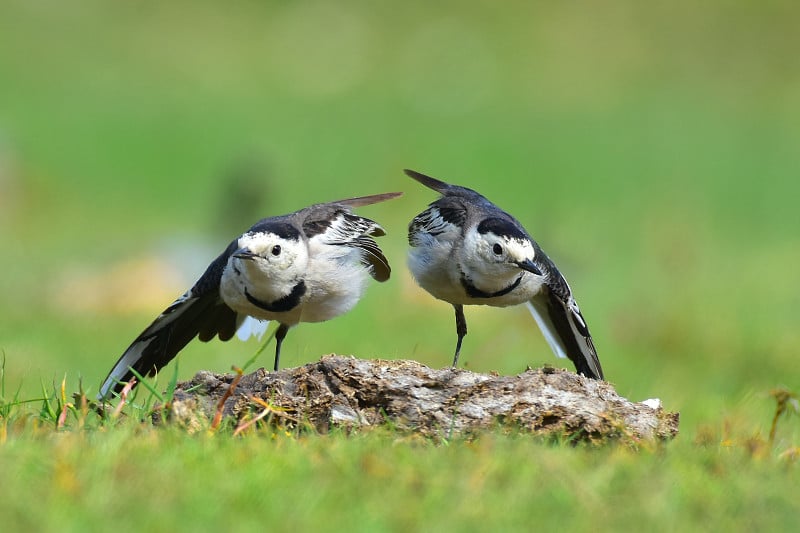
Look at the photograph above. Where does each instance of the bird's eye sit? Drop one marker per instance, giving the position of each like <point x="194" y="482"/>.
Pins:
<point x="497" y="249"/>
<point x="276" y="250"/>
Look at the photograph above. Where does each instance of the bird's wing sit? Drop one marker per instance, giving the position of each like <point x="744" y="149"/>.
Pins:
<point x="200" y="312"/>
<point x="443" y="220"/>
<point x="334" y="224"/>
<point x="563" y="326"/>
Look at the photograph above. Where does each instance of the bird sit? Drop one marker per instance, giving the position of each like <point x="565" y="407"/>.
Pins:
<point x="465" y="250"/>
<point x="308" y="266"/>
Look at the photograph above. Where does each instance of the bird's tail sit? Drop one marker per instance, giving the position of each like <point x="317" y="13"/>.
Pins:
<point x="566" y="332"/>
<point x="432" y="183"/>
<point x="367" y="200"/>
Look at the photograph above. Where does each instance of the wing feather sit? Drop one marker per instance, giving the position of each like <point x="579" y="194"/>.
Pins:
<point x="199" y="312"/>
<point x="443" y="221"/>
<point x="343" y="228"/>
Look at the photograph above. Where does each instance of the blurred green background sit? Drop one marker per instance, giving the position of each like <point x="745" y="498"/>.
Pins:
<point x="652" y="150"/>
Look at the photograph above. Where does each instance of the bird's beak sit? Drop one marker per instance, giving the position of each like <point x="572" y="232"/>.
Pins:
<point x="244" y="253"/>
<point x="530" y="266"/>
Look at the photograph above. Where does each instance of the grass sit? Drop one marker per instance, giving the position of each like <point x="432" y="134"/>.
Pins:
<point x="136" y="476"/>
<point x="650" y="150"/>
<point x="89" y="469"/>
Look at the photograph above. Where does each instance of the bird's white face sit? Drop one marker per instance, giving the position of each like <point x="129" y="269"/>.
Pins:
<point x="490" y="256"/>
<point x="271" y="255"/>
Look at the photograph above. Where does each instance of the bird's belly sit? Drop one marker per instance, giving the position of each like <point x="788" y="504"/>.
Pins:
<point x="333" y="291"/>
<point x="435" y="274"/>
<point x="429" y="266"/>
<point x="327" y="306"/>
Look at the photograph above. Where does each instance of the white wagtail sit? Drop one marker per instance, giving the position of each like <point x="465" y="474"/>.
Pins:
<point x="467" y="251"/>
<point x="308" y="266"/>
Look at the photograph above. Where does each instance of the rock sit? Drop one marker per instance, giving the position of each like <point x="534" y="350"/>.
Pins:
<point x="440" y="403"/>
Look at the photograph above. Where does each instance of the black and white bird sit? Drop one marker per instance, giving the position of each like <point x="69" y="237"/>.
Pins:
<point x="308" y="266"/>
<point x="467" y="251"/>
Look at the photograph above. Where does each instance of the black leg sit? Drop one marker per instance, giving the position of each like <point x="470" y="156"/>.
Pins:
<point x="280" y="333"/>
<point x="461" y="330"/>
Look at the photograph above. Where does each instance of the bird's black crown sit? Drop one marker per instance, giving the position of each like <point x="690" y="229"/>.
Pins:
<point x="502" y="228"/>
<point x="283" y="230"/>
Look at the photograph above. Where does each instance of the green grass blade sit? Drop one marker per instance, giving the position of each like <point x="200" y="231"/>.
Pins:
<point x="260" y="350"/>
<point x="173" y="382"/>
<point x="147" y="385"/>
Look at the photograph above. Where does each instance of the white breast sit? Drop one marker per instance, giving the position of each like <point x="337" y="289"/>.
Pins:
<point x="239" y="276"/>
<point x="431" y="265"/>
<point x="437" y="271"/>
<point x="335" y="280"/>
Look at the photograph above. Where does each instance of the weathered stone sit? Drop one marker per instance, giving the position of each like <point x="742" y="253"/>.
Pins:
<point x="433" y="402"/>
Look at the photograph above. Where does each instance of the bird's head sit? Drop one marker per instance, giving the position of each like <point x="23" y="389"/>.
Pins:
<point x="276" y="251"/>
<point x="499" y="247"/>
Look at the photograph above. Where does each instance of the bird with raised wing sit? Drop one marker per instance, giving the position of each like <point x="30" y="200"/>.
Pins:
<point x="467" y="251"/>
<point x="308" y="266"/>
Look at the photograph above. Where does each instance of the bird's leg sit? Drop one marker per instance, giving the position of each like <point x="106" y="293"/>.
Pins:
<point x="280" y="334"/>
<point x="461" y="330"/>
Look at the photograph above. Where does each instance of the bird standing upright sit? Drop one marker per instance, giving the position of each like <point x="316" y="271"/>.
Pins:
<point x="467" y="251"/>
<point x="308" y="266"/>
